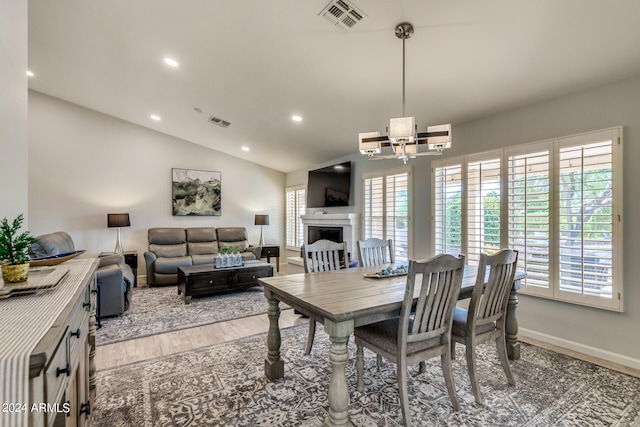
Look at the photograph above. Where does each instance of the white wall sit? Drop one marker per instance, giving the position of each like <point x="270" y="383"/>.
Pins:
<point x="597" y="332"/>
<point x="14" y="168"/>
<point x="84" y="164"/>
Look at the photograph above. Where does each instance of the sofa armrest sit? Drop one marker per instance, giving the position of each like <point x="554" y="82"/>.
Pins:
<point x="115" y="282"/>
<point x="110" y="260"/>
<point x="257" y="251"/>
<point x="149" y="259"/>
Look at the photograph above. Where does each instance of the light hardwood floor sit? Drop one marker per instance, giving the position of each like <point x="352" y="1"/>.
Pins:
<point x="122" y="353"/>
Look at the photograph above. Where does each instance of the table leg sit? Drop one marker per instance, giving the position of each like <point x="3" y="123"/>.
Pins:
<point x="338" y="357"/>
<point x="273" y="364"/>
<point x="511" y="324"/>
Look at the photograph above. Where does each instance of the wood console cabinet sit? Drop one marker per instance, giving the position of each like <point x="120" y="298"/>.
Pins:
<point x="61" y="370"/>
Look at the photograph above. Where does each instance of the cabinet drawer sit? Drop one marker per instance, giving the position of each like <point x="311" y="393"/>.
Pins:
<point x="270" y="252"/>
<point x="210" y="282"/>
<point x="58" y="371"/>
<point x="247" y="279"/>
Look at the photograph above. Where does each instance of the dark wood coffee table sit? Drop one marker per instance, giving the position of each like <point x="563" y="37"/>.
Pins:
<point x="204" y="279"/>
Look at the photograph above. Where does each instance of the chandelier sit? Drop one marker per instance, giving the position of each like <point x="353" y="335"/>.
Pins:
<point x="403" y="136"/>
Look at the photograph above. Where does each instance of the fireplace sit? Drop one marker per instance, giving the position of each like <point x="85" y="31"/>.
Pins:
<point x="315" y="233"/>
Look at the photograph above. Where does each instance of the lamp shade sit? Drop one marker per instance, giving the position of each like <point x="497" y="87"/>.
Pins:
<point x="118" y="220"/>
<point x="262" y="220"/>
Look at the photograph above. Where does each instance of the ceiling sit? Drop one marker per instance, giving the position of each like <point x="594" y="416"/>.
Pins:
<point x="256" y="63"/>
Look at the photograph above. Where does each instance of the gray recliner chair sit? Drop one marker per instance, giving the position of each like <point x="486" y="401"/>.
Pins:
<point x="115" y="278"/>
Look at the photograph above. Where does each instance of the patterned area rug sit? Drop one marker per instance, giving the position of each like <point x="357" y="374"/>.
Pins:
<point x="224" y="385"/>
<point x="161" y="309"/>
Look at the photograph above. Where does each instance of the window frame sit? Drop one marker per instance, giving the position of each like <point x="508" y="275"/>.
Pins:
<point x="615" y="134"/>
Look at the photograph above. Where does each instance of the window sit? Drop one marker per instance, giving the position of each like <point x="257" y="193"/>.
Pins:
<point x="447" y="202"/>
<point x="529" y="207"/>
<point x="386" y="209"/>
<point x="483" y="206"/>
<point x="558" y="202"/>
<point x="296" y="207"/>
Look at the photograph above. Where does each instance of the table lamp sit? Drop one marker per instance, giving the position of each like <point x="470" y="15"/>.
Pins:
<point x="262" y="220"/>
<point x="118" y="220"/>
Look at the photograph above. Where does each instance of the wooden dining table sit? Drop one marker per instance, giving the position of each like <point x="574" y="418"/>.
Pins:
<point x="343" y="300"/>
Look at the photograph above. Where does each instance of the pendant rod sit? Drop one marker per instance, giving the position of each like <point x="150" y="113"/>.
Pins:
<point x="403" y="75"/>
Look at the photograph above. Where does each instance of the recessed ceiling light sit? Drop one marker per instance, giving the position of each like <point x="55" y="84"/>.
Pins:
<point x="245" y="148"/>
<point x="296" y="118"/>
<point x="30" y="73"/>
<point x="155" y="117"/>
<point x="170" y="61"/>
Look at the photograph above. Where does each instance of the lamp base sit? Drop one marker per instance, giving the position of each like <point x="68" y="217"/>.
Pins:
<point x="261" y="243"/>
<point x="119" y="249"/>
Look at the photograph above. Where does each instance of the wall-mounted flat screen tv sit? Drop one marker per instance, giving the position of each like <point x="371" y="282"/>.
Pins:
<point x="329" y="186"/>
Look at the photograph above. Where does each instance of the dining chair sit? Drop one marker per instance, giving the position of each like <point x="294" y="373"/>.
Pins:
<point x="323" y="255"/>
<point x="375" y="252"/>
<point x="423" y="329"/>
<point x="485" y="318"/>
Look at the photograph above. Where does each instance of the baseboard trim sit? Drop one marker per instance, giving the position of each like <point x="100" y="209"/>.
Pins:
<point x="607" y="359"/>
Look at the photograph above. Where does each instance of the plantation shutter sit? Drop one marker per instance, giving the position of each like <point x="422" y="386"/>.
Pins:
<point x="447" y="215"/>
<point x="296" y="207"/>
<point x="528" y="215"/>
<point x="586" y="215"/>
<point x="386" y="209"/>
<point x="374" y="208"/>
<point x="483" y="208"/>
<point x="397" y="214"/>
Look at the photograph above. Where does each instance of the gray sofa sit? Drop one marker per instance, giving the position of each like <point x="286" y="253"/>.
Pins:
<point x="114" y="277"/>
<point x="170" y="248"/>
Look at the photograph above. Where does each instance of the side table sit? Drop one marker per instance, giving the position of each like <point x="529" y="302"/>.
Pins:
<point x="131" y="259"/>
<point x="269" y="251"/>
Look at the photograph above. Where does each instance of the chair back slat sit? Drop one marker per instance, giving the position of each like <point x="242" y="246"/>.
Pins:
<point x="439" y="279"/>
<point x="375" y="252"/>
<point x="490" y="297"/>
<point x="324" y="255"/>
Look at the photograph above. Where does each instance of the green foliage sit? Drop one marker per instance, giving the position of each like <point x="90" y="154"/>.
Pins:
<point x="14" y="248"/>
<point x="491" y="208"/>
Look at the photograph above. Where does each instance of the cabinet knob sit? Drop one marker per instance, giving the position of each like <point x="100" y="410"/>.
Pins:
<point x="65" y="370"/>
<point x="210" y="282"/>
<point x="75" y="334"/>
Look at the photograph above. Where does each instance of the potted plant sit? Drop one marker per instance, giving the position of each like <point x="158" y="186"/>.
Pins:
<point x="14" y="250"/>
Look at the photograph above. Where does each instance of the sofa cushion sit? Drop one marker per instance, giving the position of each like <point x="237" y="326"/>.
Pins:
<point x="232" y="236"/>
<point x="170" y="265"/>
<point x="202" y="248"/>
<point x="169" y="251"/>
<point x="202" y="259"/>
<point x="53" y="244"/>
<point x="166" y="236"/>
<point x="201" y="234"/>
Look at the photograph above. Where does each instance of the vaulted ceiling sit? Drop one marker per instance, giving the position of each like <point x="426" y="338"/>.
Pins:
<point x="256" y="63"/>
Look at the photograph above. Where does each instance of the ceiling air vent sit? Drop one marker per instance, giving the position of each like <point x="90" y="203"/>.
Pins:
<point x="343" y="14"/>
<point x="219" y="122"/>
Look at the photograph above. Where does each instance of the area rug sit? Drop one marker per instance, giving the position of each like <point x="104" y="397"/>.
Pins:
<point x="224" y="385"/>
<point x="156" y="310"/>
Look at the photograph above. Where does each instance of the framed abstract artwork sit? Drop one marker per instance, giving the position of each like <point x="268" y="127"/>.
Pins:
<point x="196" y="192"/>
